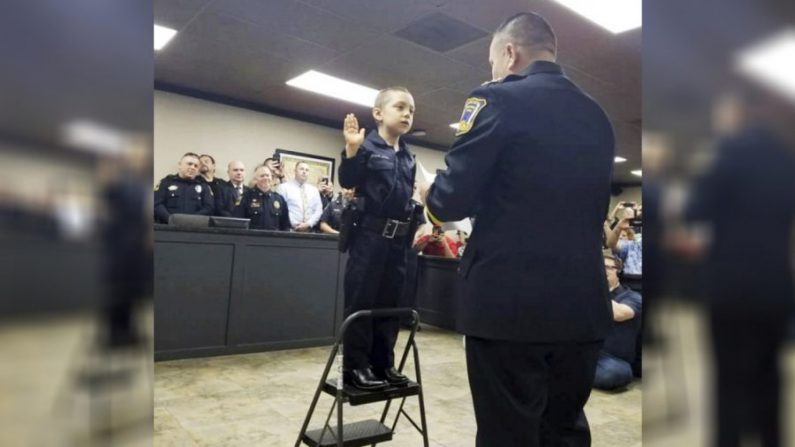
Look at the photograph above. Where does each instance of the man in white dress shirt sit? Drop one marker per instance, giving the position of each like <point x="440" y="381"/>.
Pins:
<point x="303" y="200"/>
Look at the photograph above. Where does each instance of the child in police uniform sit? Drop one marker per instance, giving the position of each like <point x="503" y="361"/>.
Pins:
<point x="382" y="170"/>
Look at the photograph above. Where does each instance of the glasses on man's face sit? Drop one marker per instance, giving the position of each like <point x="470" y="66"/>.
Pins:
<point x="610" y="267"/>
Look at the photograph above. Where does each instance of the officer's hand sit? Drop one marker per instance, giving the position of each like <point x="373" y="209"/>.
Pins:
<point x="302" y="227"/>
<point x="354" y="137"/>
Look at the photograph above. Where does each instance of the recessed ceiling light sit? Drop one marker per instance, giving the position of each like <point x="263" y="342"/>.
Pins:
<point x="620" y="159"/>
<point x="163" y="35"/>
<point x="616" y="16"/>
<point x="455" y="125"/>
<point x="771" y="62"/>
<point x="637" y="172"/>
<point x="317" y="82"/>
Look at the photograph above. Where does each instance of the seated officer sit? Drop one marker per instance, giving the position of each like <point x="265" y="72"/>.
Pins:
<point x="266" y="208"/>
<point x="331" y="219"/>
<point x="182" y="192"/>
<point x="614" y="370"/>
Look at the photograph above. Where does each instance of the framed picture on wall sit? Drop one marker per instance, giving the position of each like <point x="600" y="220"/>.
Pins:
<point x="319" y="167"/>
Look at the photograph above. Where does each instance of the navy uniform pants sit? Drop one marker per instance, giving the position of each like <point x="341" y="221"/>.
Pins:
<point x="531" y="394"/>
<point x="374" y="278"/>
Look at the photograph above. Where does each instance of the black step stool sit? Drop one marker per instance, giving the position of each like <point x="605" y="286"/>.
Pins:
<point x="369" y="432"/>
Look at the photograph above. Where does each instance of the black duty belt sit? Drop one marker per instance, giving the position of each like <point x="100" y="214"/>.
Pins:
<point x="388" y="228"/>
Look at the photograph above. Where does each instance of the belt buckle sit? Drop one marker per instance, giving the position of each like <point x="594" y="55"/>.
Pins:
<point x="390" y="229"/>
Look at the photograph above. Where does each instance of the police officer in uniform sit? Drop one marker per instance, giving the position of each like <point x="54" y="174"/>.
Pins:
<point x="266" y="208"/>
<point x="535" y="307"/>
<point x="182" y="192"/>
<point x="382" y="170"/>
<point x="331" y="219"/>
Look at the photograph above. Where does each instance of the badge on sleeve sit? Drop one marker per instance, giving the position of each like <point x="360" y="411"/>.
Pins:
<point x="472" y="107"/>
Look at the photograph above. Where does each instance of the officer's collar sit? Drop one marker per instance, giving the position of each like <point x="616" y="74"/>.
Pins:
<point x="376" y="139"/>
<point x="541" y="67"/>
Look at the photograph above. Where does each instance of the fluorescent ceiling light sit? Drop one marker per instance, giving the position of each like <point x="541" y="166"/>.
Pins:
<point x="616" y="16"/>
<point x="771" y="62"/>
<point x="455" y="125"/>
<point x="92" y="136"/>
<point x="321" y="83"/>
<point x="162" y="36"/>
<point x="620" y="159"/>
<point x="637" y="172"/>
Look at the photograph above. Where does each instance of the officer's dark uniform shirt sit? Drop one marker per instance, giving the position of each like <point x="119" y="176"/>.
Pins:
<point x="384" y="177"/>
<point x="223" y="194"/>
<point x="332" y="213"/>
<point x="530" y="142"/>
<point x="267" y="210"/>
<point x="185" y="196"/>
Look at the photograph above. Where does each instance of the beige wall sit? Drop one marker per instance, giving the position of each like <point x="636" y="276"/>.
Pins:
<point x="183" y="124"/>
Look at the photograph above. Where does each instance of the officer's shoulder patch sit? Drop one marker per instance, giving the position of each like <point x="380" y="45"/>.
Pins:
<point x="472" y="107"/>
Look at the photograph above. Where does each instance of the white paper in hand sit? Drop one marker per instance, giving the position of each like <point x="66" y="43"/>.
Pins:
<point x="428" y="178"/>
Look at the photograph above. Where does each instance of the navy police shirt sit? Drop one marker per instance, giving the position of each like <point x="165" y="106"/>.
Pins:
<point x="383" y="176"/>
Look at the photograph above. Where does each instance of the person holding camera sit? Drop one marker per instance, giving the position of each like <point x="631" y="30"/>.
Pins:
<point x="436" y="244"/>
<point x="275" y="166"/>
<point x="629" y="249"/>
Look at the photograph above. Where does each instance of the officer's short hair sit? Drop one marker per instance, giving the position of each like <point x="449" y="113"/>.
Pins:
<point x="530" y="30"/>
<point x="191" y="154"/>
<point x="263" y="166"/>
<point x="208" y="156"/>
<point x="383" y="95"/>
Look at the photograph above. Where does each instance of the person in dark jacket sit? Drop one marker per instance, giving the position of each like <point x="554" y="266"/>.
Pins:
<point x="535" y="307"/>
<point x="266" y="208"/>
<point x="182" y="192"/>
<point x="223" y="194"/>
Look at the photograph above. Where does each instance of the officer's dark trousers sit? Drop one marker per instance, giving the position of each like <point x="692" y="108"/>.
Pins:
<point x="530" y="394"/>
<point x="748" y="377"/>
<point x="374" y="278"/>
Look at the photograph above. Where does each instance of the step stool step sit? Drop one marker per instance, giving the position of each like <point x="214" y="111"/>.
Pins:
<point x="357" y="434"/>
<point x="355" y="396"/>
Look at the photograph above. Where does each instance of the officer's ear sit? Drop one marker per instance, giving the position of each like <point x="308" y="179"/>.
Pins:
<point x="378" y="115"/>
<point x="512" y="55"/>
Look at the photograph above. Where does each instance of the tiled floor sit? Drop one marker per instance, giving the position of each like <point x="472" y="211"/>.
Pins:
<point x="56" y="389"/>
<point x="262" y="399"/>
